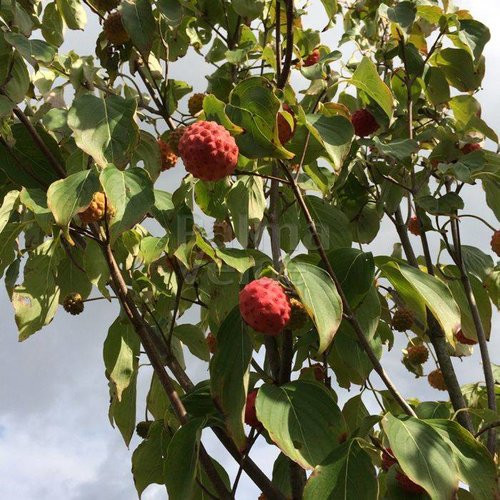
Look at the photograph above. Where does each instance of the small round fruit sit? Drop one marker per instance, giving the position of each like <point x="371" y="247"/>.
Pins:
<point x="174" y="137"/>
<point x="298" y="315"/>
<point x="195" y="103"/>
<point x="97" y="209"/>
<point x="463" y="339"/>
<point x="402" y="319"/>
<point x="312" y="58"/>
<point x="211" y="343"/>
<point x="250" y="411"/>
<point x="114" y="30"/>
<point x="208" y="151"/>
<point x="285" y="131"/>
<point x="73" y="303"/>
<point x="142" y="428"/>
<point x="436" y="380"/>
<point x="106" y="5"/>
<point x="407" y="484"/>
<point x="265" y="306"/>
<point x="388" y="459"/>
<point x="168" y="157"/>
<point x="364" y="123"/>
<point x="417" y="354"/>
<point x="471" y="147"/>
<point x="495" y="242"/>
<point x="414" y="225"/>
<point x="223" y="232"/>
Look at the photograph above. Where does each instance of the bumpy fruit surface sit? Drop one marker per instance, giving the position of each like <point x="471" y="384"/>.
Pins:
<point x="195" y="103"/>
<point x="142" y="428"/>
<point x="414" y="225"/>
<point x="436" y="380"/>
<point x="265" y="306"/>
<point x="402" y="319"/>
<point x="208" y="151"/>
<point x="469" y="148"/>
<point x="364" y="123"/>
<point x="250" y="411"/>
<point x="114" y="29"/>
<point x="96" y="210"/>
<point x="73" y="303"/>
<point x="495" y="242"/>
<point x="223" y="232"/>
<point x="174" y="137"/>
<point x="211" y="343"/>
<point x="388" y="459"/>
<point x="463" y="339"/>
<point x="312" y="58"/>
<point x="168" y="157"/>
<point x="298" y="315"/>
<point x="285" y="131"/>
<point x="106" y="5"/>
<point x="407" y="484"/>
<point x="417" y="354"/>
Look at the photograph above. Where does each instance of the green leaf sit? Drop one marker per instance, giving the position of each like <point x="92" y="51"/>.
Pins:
<point x="9" y="205"/>
<point x="423" y="455"/>
<point x="250" y="9"/>
<point x="335" y="133"/>
<point x="367" y="79"/>
<point x="332" y="225"/>
<point x="475" y="465"/>
<point x="229" y="374"/>
<point x="355" y="271"/>
<point x="52" y="25"/>
<point x="138" y="21"/>
<point x="130" y="193"/>
<point x="302" y="418"/>
<point x="236" y="258"/>
<point x="8" y="244"/>
<point x="192" y="336"/>
<point x="403" y="13"/>
<point x="121" y="354"/>
<point x="30" y="49"/>
<point x="35" y="301"/>
<point x="172" y="10"/>
<point x="426" y="288"/>
<point x="319" y="295"/>
<point x="181" y="463"/>
<point x="73" y="13"/>
<point x="400" y="148"/>
<point x="473" y="36"/>
<point x="70" y="277"/>
<point x="122" y="412"/>
<point x="96" y="267"/>
<point x="436" y="86"/>
<point x="104" y="128"/>
<point x="458" y="68"/>
<point x="447" y="204"/>
<point x="347" y="473"/>
<point x="147" y="459"/>
<point x="71" y="195"/>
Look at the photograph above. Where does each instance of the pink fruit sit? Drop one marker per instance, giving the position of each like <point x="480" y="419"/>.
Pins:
<point x="208" y="151"/>
<point x="407" y="484"/>
<point x="265" y="306"/>
<point x="463" y="339"/>
<point x="312" y="58"/>
<point x="414" y="225"/>
<point x="250" y="412"/>
<point x="285" y="132"/>
<point x="469" y="148"/>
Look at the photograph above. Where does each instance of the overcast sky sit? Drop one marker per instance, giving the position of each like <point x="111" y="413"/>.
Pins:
<point x="55" y="438"/>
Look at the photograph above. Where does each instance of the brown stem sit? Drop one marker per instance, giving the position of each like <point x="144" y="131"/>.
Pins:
<point x="478" y="324"/>
<point x="285" y="72"/>
<point x="347" y="309"/>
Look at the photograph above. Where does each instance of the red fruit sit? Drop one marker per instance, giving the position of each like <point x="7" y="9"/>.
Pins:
<point x="407" y="484"/>
<point x="495" y="242"/>
<point x="211" y="343"/>
<point x="208" y="151"/>
<point x="285" y="132"/>
<point x="469" y="148"/>
<point x="414" y="225"/>
<point x="388" y="459"/>
<point x="265" y="306"/>
<point x="312" y="58"/>
<point x="364" y="123"/>
<point x="250" y="412"/>
<point x="463" y="339"/>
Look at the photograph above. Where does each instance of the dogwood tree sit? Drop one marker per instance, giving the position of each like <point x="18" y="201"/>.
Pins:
<point x="297" y="147"/>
